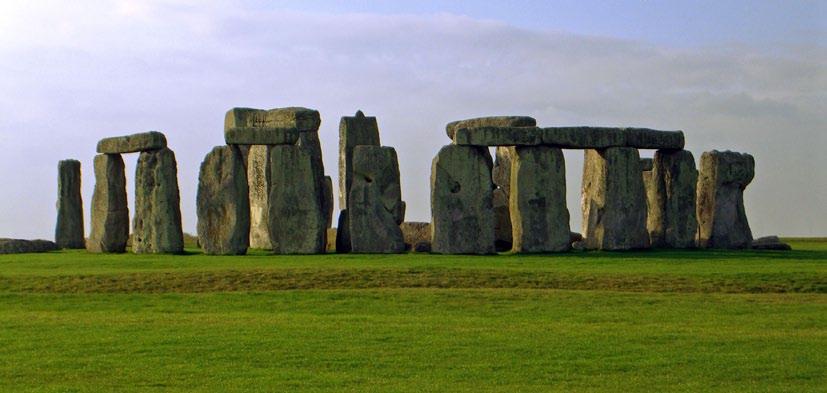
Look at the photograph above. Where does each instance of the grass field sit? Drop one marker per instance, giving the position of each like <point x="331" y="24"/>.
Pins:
<point x="647" y="321"/>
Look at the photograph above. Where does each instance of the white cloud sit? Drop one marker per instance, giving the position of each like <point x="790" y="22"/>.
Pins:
<point x="73" y="73"/>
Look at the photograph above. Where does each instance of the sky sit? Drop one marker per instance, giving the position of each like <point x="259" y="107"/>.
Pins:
<point x="747" y="76"/>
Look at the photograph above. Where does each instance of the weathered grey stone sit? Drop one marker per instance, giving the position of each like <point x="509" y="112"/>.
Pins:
<point x="647" y="164"/>
<point x="110" y="212"/>
<point x="770" y="243"/>
<point x="493" y="121"/>
<point x="327" y="200"/>
<point x="261" y="136"/>
<point x="462" y="214"/>
<point x="613" y="200"/>
<point x="298" y="118"/>
<point x="722" y="220"/>
<point x="343" y="233"/>
<point x="69" y="230"/>
<point x="21" y="246"/>
<point x="258" y="180"/>
<point x="575" y="237"/>
<point x="353" y="131"/>
<point x="539" y="216"/>
<point x="375" y="200"/>
<point x="415" y="232"/>
<point x="503" y="239"/>
<point x="156" y="227"/>
<point x="145" y="141"/>
<point x="223" y="205"/>
<point x="296" y="220"/>
<point x="570" y="137"/>
<point x="670" y="195"/>
<point x="501" y="173"/>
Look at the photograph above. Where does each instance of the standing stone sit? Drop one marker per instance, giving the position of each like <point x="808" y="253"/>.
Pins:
<point x="539" y="216"/>
<point x="343" y="233"/>
<point x="296" y="220"/>
<point x="670" y="194"/>
<point x="327" y="201"/>
<point x="258" y="178"/>
<point x="501" y="175"/>
<point x="375" y="201"/>
<point x="110" y="212"/>
<point x="613" y="200"/>
<point x="69" y="230"/>
<point x="353" y="131"/>
<point x="156" y="227"/>
<point x="462" y="215"/>
<point x="722" y="220"/>
<point x="223" y="206"/>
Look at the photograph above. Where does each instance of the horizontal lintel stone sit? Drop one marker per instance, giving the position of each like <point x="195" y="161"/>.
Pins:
<point x="570" y="137"/>
<point x="261" y="136"/>
<point x="302" y="119"/>
<point x="492" y="121"/>
<point x="144" y="141"/>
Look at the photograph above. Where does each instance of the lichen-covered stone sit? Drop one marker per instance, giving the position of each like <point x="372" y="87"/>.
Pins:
<point x="156" y="227"/>
<point x="296" y="220"/>
<point x="613" y="200"/>
<point x="258" y="181"/>
<point x="722" y="220"/>
<point x="501" y="175"/>
<point x="539" y="216"/>
<point x="569" y="137"/>
<point x="374" y="202"/>
<point x="69" y="229"/>
<point x="670" y="194"/>
<point x="110" y="212"/>
<point x="353" y="131"/>
<point x="222" y="203"/>
<point x="247" y="126"/>
<point x="492" y="121"/>
<point x="462" y="214"/>
<point x="145" y="141"/>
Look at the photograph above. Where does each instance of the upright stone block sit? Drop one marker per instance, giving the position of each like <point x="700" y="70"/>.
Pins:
<point x="462" y="215"/>
<point x="613" y="200"/>
<point x="223" y="205"/>
<point x="110" y="212"/>
<point x="353" y="131"/>
<point x="296" y="220"/>
<point x="670" y="193"/>
<point x="539" y="216"/>
<point x="258" y="179"/>
<point x="375" y="201"/>
<point x="69" y="230"/>
<point x="156" y="227"/>
<point x="327" y="201"/>
<point x="501" y="175"/>
<point x="722" y="220"/>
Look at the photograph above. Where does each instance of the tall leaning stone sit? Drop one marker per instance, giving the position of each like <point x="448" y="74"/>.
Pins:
<point x="69" y="230"/>
<point x="110" y="212"/>
<point x="258" y="179"/>
<point x="462" y="216"/>
<point x="222" y="204"/>
<point x="670" y="192"/>
<point x="613" y="200"/>
<point x="156" y="227"/>
<point x="375" y="201"/>
<point x="722" y="220"/>
<point x="353" y="131"/>
<point x="296" y="221"/>
<point x="539" y="216"/>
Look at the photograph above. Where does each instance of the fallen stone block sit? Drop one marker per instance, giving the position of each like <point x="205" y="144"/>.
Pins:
<point x="21" y="246"/>
<point x="770" y="243"/>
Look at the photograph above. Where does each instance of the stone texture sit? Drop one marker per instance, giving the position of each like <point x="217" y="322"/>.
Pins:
<point x="247" y="126"/>
<point x="415" y="232"/>
<point x="327" y="201"/>
<point x="647" y="164"/>
<point x="156" y="227"/>
<point x="493" y="121"/>
<point x="539" y="216"/>
<point x="21" y="246"/>
<point x="343" y="233"/>
<point x="501" y="175"/>
<point x="722" y="220"/>
<point x="613" y="200"/>
<point x="296" y="220"/>
<point x="570" y="137"/>
<point x="330" y="240"/>
<point x="353" y="131"/>
<point x="223" y="206"/>
<point x="261" y="136"/>
<point x="375" y="201"/>
<point x="670" y="195"/>
<point x="145" y="141"/>
<point x="69" y="229"/>
<point x="110" y="212"/>
<point x="770" y="243"/>
<point x="462" y="214"/>
<point x="258" y="180"/>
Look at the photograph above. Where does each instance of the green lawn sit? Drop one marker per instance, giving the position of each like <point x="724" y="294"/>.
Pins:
<point x="648" y="321"/>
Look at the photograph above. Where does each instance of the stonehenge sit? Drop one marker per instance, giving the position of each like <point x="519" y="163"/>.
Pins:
<point x="722" y="220"/>
<point x="69" y="229"/>
<point x="266" y="188"/>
